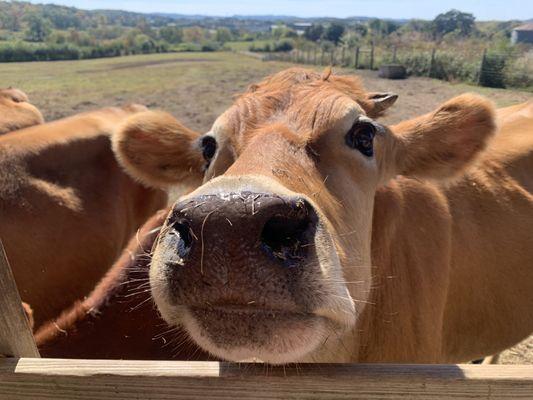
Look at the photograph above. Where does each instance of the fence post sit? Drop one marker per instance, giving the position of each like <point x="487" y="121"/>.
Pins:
<point x="357" y="57"/>
<point x="16" y="339"/>
<point x="481" y="66"/>
<point x="432" y="62"/>
<point x="332" y="58"/>
<point x="372" y="56"/>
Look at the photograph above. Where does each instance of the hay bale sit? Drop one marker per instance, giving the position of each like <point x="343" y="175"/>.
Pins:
<point x="392" y="71"/>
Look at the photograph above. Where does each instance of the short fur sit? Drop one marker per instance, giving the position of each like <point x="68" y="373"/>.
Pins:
<point x="67" y="207"/>
<point x="16" y="112"/>
<point x="438" y="270"/>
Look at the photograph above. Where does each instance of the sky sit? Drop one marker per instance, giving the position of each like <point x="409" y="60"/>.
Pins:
<point x="425" y="9"/>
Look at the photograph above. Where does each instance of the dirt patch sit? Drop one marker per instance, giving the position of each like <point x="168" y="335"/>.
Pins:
<point x="141" y="64"/>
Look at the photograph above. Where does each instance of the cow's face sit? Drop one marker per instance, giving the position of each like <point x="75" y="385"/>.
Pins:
<point x="269" y="258"/>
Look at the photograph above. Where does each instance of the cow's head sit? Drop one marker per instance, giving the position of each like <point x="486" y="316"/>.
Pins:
<point x="16" y="112"/>
<point x="269" y="257"/>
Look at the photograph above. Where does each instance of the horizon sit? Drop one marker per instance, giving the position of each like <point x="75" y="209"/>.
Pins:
<point x="387" y="9"/>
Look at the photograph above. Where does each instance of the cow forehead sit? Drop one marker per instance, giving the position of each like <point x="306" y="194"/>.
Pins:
<point x="301" y="99"/>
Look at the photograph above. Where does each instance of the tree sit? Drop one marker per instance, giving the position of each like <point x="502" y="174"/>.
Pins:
<point x="314" y="32"/>
<point x="334" y="33"/>
<point x="453" y="21"/>
<point x="223" y="35"/>
<point x="171" y="34"/>
<point x="360" y="29"/>
<point x="381" y="27"/>
<point x="38" y="28"/>
<point x="194" y="34"/>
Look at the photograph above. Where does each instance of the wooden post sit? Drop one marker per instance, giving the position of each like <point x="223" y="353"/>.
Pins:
<point x="343" y="55"/>
<point x="432" y="62"/>
<point x="394" y="54"/>
<point x="332" y="60"/>
<point x="16" y="338"/>
<point x="357" y="57"/>
<point x="314" y="56"/>
<point x="372" y="56"/>
<point x="481" y="66"/>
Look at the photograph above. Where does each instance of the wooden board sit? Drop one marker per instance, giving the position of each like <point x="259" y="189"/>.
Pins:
<point x="16" y="338"/>
<point x="93" y="379"/>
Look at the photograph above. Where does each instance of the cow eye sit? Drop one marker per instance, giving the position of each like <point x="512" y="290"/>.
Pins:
<point x="209" y="147"/>
<point x="361" y="137"/>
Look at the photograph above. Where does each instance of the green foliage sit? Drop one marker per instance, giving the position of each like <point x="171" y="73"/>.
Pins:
<point x="171" y="34"/>
<point x="334" y="33"/>
<point x="381" y="27"/>
<point x="223" y="35"/>
<point x="38" y="28"/>
<point x="454" y="21"/>
<point x="314" y="32"/>
<point x="277" y="46"/>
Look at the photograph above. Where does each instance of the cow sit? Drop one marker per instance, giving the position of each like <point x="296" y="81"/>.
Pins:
<point x="318" y="234"/>
<point x="117" y="319"/>
<point x="67" y="207"/>
<point x="16" y="112"/>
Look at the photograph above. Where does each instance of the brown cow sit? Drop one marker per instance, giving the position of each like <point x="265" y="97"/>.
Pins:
<point x="329" y="237"/>
<point x="16" y="112"/>
<point x="118" y="319"/>
<point x="67" y="207"/>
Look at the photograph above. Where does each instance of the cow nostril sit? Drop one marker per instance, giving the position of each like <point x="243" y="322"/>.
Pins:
<point x="287" y="238"/>
<point x="183" y="230"/>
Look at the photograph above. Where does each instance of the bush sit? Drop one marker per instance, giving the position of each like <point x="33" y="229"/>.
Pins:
<point x="188" y="47"/>
<point x="24" y="51"/>
<point x="210" y="46"/>
<point x="283" y="45"/>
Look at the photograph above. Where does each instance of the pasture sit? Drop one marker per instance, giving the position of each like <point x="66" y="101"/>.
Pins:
<point x="197" y="87"/>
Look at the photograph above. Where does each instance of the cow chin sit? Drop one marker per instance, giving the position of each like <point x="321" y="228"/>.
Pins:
<point x="273" y="337"/>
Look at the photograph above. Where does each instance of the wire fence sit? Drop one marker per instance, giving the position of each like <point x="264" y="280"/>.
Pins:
<point x="512" y="68"/>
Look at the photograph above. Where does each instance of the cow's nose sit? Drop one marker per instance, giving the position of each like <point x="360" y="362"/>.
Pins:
<point x="281" y="228"/>
<point x="289" y="230"/>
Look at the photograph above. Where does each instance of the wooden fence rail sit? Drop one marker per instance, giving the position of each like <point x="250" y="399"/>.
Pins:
<point x="86" y="379"/>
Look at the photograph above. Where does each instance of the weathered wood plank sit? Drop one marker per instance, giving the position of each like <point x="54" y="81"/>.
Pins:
<point x="90" y="379"/>
<point x="16" y="338"/>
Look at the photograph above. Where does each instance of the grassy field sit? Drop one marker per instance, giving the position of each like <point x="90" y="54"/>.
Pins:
<point x="196" y="87"/>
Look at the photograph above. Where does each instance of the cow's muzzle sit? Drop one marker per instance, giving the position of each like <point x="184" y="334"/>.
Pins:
<point x="243" y="273"/>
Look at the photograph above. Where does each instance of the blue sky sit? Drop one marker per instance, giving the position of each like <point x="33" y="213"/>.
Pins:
<point x="427" y="9"/>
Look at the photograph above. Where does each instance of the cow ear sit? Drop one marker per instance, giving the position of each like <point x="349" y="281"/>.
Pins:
<point x="379" y="102"/>
<point x="442" y="143"/>
<point x="156" y="149"/>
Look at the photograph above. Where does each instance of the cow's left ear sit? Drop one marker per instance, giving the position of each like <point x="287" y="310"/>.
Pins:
<point x="380" y="102"/>
<point x="441" y="144"/>
<point x="156" y="149"/>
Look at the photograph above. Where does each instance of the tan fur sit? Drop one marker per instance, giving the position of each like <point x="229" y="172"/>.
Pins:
<point x="16" y="112"/>
<point x="439" y="270"/>
<point x="67" y="208"/>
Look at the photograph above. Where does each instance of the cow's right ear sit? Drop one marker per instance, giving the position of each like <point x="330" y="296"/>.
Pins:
<point x="156" y="149"/>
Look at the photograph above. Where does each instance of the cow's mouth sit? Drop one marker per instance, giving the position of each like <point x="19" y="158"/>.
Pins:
<point x="238" y="333"/>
